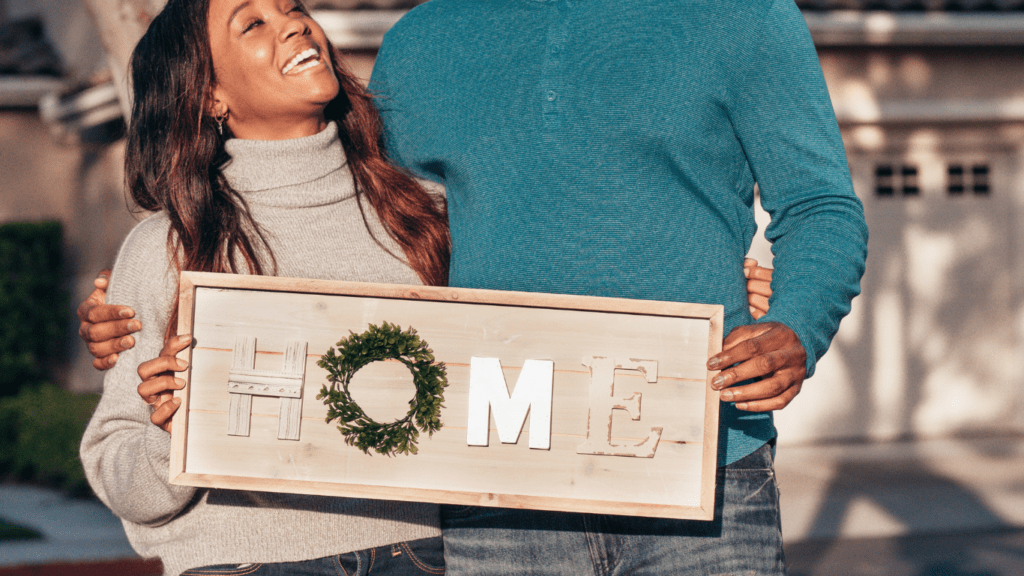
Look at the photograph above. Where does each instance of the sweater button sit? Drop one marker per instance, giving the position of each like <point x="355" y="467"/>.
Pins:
<point x="555" y="48"/>
<point x="552" y="96"/>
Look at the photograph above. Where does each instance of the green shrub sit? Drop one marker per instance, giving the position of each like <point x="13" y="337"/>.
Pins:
<point x="34" y="309"/>
<point x="40" y="430"/>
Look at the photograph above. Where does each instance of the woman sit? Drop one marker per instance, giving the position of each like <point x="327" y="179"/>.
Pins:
<point x="321" y="204"/>
<point x="301" y="189"/>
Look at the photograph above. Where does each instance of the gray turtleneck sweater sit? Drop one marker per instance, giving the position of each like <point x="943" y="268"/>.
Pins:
<point x="301" y="195"/>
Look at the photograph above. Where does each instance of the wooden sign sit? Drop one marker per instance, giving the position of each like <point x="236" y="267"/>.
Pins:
<point x="553" y="402"/>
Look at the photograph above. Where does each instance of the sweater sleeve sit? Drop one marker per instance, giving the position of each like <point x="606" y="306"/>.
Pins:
<point x="783" y="117"/>
<point x="126" y="457"/>
<point x="403" y="131"/>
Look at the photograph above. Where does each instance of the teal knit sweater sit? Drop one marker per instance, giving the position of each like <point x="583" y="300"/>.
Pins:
<point x="610" y="148"/>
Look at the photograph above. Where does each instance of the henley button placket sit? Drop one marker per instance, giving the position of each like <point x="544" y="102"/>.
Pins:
<point x="553" y="70"/>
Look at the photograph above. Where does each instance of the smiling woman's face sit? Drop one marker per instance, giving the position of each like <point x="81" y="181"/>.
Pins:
<point x="273" y="69"/>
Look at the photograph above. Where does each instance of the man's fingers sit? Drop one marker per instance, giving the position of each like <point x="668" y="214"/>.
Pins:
<point x="115" y="330"/>
<point x="790" y="359"/>
<point x="159" y="365"/>
<point x="95" y="298"/>
<point x="745" y="342"/>
<point x="102" y="279"/>
<point x="739" y="336"/>
<point x="108" y="347"/>
<point x="104" y="363"/>
<point x="765" y="389"/>
<point x="108" y="312"/>
<point x="774" y="403"/>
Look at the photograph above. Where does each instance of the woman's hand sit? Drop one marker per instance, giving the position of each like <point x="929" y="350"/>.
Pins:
<point x="159" y="383"/>
<point x="105" y="328"/>
<point x="759" y="287"/>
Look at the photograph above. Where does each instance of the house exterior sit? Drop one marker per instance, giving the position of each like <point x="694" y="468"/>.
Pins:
<point x="929" y="95"/>
<point x="931" y="107"/>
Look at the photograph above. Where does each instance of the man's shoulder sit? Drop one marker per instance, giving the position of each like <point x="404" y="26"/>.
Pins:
<point x="430" y="15"/>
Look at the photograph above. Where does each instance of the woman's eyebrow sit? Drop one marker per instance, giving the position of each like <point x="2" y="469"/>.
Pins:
<point x="238" y="9"/>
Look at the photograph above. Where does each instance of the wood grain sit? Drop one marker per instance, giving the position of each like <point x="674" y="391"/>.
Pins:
<point x="458" y="324"/>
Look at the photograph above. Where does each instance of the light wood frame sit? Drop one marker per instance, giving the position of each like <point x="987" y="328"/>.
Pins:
<point x="205" y="457"/>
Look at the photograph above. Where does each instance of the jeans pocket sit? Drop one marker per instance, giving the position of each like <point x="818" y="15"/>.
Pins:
<point x="426" y="554"/>
<point x="224" y="570"/>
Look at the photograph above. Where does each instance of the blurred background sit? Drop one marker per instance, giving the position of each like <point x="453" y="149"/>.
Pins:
<point x="906" y="445"/>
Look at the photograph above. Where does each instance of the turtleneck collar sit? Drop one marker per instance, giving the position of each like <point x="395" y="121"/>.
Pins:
<point x="290" y="173"/>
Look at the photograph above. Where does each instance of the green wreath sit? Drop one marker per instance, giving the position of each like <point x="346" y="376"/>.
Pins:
<point x="382" y="343"/>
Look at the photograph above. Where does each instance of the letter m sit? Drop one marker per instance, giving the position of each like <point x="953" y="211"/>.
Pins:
<point x="488" y="393"/>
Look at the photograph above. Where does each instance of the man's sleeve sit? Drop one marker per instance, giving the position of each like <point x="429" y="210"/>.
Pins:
<point x="404" y="129"/>
<point x="782" y="114"/>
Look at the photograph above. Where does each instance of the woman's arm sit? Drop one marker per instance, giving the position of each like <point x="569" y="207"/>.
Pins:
<point x="126" y="457"/>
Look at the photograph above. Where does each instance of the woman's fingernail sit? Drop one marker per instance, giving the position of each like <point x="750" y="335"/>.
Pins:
<point x="727" y="395"/>
<point x="179" y="383"/>
<point x="127" y="342"/>
<point x="746" y="272"/>
<point x="182" y="364"/>
<point x="742" y="405"/>
<point x="134" y="325"/>
<point x="714" y="362"/>
<point x="112" y="360"/>
<point x="125" y="313"/>
<point x="177" y="401"/>
<point x="718" y="381"/>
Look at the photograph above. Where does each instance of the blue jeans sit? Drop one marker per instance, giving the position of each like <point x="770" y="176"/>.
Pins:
<point x="412" y="558"/>
<point x="744" y="539"/>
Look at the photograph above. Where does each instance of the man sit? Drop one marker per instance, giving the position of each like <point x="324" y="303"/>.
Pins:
<point x="610" y="148"/>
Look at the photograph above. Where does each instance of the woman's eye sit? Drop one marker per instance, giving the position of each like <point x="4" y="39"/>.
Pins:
<point x="251" y="24"/>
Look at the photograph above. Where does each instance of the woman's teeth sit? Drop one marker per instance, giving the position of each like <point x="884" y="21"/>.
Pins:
<point x="297" y="64"/>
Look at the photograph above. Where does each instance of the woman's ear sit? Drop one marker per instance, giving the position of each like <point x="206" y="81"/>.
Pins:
<point x="216" y="107"/>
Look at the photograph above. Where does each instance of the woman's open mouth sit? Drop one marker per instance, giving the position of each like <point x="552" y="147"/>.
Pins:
<point x="302" y="61"/>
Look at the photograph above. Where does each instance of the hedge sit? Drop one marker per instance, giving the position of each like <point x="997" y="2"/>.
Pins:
<point x="33" y="304"/>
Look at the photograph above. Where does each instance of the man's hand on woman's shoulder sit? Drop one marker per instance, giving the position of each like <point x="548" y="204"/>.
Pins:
<point x="106" y="328"/>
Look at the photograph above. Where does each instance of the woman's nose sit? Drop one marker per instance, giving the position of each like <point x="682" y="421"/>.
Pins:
<point x="293" y="27"/>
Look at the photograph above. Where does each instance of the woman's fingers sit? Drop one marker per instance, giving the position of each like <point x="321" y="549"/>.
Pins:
<point x="176" y="344"/>
<point x="161" y="416"/>
<point x="159" y="382"/>
<point x="166" y="362"/>
<point x="759" y="287"/>
<point x="755" y="272"/>
<point x="160" y="365"/>
<point x="153" y="389"/>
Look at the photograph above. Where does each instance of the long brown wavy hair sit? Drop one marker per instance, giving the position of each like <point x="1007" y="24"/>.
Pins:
<point x="175" y="154"/>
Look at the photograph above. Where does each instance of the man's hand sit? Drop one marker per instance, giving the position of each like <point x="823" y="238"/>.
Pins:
<point x="759" y="287"/>
<point x="105" y="328"/>
<point x="159" y="383"/>
<point x="769" y="350"/>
